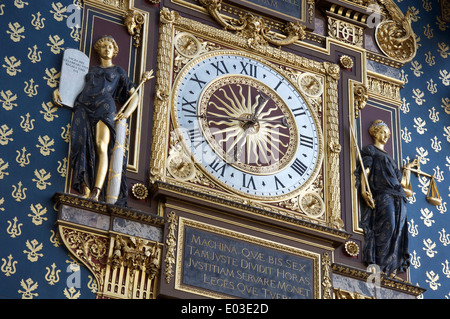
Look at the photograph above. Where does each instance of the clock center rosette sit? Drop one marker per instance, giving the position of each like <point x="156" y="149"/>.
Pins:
<point x="247" y="124"/>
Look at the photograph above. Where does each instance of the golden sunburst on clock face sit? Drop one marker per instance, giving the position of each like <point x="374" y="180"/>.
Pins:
<point x="248" y="124"/>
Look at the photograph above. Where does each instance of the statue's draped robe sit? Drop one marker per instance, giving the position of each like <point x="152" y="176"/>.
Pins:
<point x="103" y="87"/>
<point x="385" y="227"/>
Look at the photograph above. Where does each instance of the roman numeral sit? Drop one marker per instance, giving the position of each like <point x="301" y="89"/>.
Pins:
<point x="278" y="85"/>
<point x="196" y="137"/>
<point x="251" y="70"/>
<point x="220" y="67"/>
<point x="278" y="183"/>
<point x="306" y="141"/>
<point x="246" y="183"/>
<point x="299" y="167"/>
<point x="191" y="104"/>
<point x="199" y="82"/>
<point x="215" y="165"/>
<point x="299" y="111"/>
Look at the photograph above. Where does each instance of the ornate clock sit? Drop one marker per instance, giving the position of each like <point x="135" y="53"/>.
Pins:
<point x="246" y="125"/>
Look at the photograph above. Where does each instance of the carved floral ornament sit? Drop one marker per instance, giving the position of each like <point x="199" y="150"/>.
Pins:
<point x="254" y="28"/>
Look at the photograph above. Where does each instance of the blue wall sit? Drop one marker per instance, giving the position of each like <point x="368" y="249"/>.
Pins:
<point x="34" y="263"/>
<point x="425" y="131"/>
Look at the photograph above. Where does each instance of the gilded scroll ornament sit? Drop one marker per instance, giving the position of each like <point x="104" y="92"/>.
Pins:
<point x="327" y="281"/>
<point x="134" y="22"/>
<point x="360" y="98"/>
<point x="91" y="249"/>
<point x="254" y="28"/>
<point x="395" y="36"/>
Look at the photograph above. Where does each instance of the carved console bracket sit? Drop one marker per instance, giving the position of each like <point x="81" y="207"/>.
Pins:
<point x="255" y="29"/>
<point x="120" y="246"/>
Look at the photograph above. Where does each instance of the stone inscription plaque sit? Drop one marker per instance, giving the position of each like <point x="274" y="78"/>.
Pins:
<point x="75" y="66"/>
<point x="291" y="8"/>
<point x="246" y="270"/>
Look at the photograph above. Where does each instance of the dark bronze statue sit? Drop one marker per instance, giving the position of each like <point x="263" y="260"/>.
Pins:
<point x="383" y="213"/>
<point x="93" y="123"/>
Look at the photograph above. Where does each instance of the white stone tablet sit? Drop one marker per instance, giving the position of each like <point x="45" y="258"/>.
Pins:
<point x="74" y="67"/>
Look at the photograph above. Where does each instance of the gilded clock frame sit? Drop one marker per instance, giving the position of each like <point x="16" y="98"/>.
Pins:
<point x="270" y="199"/>
<point x="164" y="143"/>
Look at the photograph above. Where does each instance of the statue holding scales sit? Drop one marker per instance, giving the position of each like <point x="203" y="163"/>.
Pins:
<point x="97" y="126"/>
<point x="383" y="215"/>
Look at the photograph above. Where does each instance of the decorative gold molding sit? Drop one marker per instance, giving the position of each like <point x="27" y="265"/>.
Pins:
<point x="274" y="214"/>
<point x="171" y="244"/>
<point x="119" y="4"/>
<point x="395" y="36"/>
<point x="255" y="29"/>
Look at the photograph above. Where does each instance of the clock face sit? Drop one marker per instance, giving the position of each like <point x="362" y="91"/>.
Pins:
<point x="246" y="125"/>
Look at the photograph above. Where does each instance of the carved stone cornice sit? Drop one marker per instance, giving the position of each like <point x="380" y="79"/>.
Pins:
<point x="163" y="190"/>
<point x="385" y="282"/>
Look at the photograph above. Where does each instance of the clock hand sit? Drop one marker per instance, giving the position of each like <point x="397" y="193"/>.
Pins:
<point x="210" y="117"/>
<point x="204" y="116"/>
<point x="260" y="106"/>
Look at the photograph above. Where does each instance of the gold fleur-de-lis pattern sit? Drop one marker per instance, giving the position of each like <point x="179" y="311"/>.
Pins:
<point x="425" y="128"/>
<point x="34" y="136"/>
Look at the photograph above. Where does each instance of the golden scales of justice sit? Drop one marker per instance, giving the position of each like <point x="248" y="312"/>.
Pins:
<point x="433" y="196"/>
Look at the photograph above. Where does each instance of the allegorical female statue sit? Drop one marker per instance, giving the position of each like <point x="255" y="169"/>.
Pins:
<point x="383" y="215"/>
<point x="93" y="123"/>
